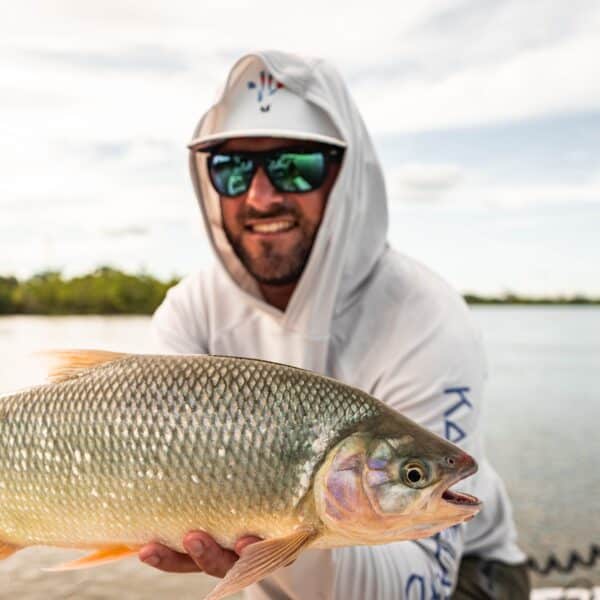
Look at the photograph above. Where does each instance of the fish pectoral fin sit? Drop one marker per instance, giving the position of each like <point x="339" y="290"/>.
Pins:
<point x="68" y="363"/>
<point x="259" y="559"/>
<point x="7" y="550"/>
<point x="99" y="557"/>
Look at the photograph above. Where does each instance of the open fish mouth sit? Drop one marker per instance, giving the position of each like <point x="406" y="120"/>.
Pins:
<point x="468" y="467"/>
<point x="470" y="503"/>
<point x="460" y="498"/>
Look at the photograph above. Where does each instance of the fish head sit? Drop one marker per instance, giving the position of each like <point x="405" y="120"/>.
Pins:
<point x="376" y="488"/>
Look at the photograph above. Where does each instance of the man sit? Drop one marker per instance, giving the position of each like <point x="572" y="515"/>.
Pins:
<point x="294" y="202"/>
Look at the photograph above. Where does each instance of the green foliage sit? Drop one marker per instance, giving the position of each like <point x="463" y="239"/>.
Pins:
<point x="108" y="291"/>
<point x="8" y="285"/>
<point x="105" y="291"/>
<point x="510" y="298"/>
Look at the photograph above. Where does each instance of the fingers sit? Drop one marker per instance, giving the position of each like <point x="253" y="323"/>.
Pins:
<point x="204" y="554"/>
<point x="245" y="541"/>
<point x="165" y="559"/>
<point x="208" y="555"/>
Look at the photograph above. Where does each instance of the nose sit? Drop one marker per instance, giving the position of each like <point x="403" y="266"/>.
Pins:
<point x="261" y="194"/>
<point x="460" y="462"/>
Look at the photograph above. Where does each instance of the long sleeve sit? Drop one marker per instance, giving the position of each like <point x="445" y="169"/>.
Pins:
<point x="399" y="571"/>
<point x="435" y="376"/>
<point x="179" y="325"/>
<point x="311" y="577"/>
<point x="433" y="371"/>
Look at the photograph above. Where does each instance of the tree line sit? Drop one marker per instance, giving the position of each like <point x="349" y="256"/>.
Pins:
<point x="510" y="298"/>
<point x="105" y="291"/>
<point x="108" y="291"/>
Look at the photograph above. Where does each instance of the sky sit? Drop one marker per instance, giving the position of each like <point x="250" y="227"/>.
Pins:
<point x="485" y="115"/>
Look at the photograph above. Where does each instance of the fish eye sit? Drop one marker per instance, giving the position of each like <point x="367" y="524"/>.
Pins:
<point x="414" y="474"/>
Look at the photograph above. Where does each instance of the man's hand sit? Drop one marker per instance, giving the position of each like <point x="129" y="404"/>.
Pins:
<point x="203" y="554"/>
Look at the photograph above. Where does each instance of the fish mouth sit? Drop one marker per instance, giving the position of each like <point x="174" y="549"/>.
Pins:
<point x="460" y="498"/>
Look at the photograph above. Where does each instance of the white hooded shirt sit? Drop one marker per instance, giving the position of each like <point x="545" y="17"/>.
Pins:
<point x="366" y="315"/>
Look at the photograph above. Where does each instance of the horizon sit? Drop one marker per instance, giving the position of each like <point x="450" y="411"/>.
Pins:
<point x="485" y="117"/>
<point x="9" y="284"/>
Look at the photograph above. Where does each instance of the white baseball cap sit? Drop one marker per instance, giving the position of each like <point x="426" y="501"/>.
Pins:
<point x="257" y="105"/>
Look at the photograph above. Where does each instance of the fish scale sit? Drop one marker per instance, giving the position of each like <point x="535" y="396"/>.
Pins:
<point x="122" y="450"/>
<point x="237" y="463"/>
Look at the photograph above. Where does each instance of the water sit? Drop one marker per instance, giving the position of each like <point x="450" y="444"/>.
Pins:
<point x="541" y="421"/>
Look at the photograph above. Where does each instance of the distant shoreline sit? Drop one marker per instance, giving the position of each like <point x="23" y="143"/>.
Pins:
<point x="108" y="291"/>
<point x="512" y="299"/>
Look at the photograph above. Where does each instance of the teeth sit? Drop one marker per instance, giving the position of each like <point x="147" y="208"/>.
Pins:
<point x="272" y="227"/>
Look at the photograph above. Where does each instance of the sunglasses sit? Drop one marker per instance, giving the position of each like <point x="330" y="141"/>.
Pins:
<point x="292" y="170"/>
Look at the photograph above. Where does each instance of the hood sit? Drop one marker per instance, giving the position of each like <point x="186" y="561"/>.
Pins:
<point x="352" y="235"/>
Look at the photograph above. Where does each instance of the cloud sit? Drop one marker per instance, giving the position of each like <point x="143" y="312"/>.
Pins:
<point x="411" y="67"/>
<point x="451" y="37"/>
<point x="99" y="100"/>
<point x="533" y="195"/>
<point x="120" y="232"/>
<point x="534" y="83"/>
<point x="486" y="30"/>
<point x="457" y="194"/>
<point x="137" y="58"/>
<point x="423" y="182"/>
<point x="528" y="249"/>
<point x="130" y="155"/>
<point x="460" y="186"/>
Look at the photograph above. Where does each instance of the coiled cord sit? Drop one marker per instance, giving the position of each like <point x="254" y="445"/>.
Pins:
<point x="574" y="560"/>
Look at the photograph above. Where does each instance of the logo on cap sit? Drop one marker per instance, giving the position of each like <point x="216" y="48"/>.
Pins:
<point x="267" y="86"/>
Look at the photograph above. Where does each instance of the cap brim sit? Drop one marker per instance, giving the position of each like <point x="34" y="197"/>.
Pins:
<point x="208" y="141"/>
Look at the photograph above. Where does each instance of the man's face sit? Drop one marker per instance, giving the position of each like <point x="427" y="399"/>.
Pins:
<point x="273" y="232"/>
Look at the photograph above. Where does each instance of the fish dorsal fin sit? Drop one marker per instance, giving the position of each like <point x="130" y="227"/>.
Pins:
<point x="65" y="364"/>
<point x="259" y="559"/>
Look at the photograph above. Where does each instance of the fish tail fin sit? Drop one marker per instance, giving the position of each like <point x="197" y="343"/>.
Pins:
<point x="7" y="550"/>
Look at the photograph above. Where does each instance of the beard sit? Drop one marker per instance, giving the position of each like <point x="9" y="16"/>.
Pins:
<point x="267" y="263"/>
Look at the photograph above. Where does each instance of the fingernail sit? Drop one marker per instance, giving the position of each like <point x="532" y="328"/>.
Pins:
<point x="196" y="547"/>
<point x="153" y="560"/>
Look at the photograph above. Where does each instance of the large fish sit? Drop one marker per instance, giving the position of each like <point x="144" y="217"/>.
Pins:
<point x="121" y="449"/>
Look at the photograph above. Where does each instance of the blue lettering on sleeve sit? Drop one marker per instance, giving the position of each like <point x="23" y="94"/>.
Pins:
<point x="435" y="594"/>
<point x="445" y="555"/>
<point x="417" y="583"/>
<point x="452" y="431"/>
<point x="440" y="586"/>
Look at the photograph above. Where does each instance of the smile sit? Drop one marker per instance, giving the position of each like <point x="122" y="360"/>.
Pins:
<point x="271" y="226"/>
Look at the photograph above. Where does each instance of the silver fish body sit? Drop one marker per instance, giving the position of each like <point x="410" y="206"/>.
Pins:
<point x="138" y="448"/>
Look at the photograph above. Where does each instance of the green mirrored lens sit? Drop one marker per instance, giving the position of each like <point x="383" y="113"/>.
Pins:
<point x="231" y="174"/>
<point x="297" y="172"/>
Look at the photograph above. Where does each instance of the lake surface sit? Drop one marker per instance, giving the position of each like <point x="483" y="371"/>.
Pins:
<point x="541" y="419"/>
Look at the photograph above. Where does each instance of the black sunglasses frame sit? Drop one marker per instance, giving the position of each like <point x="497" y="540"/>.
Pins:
<point x="259" y="159"/>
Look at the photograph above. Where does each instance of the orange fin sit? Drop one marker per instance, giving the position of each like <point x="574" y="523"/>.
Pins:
<point x="99" y="557"/>
<point x="69" y="363"/>
<point x="259" y="559"/>
<point x="7" y="550"/>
